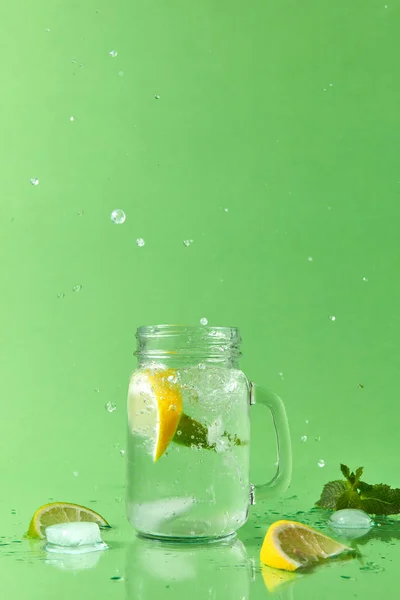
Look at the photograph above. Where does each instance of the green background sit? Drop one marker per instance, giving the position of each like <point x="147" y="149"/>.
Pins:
<point x="284" y="113"/>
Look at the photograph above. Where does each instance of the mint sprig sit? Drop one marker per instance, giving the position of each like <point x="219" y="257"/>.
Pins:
<point x="351" y="492"/>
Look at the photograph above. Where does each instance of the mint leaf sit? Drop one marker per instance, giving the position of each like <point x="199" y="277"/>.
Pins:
<point x="379" y="499"/>
<point x="346" y="471"/>
<point x="350" y="499"/>
<point x="331" y="493"/>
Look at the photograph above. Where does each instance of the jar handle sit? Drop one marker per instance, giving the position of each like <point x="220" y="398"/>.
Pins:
<point x="281" y="480"/>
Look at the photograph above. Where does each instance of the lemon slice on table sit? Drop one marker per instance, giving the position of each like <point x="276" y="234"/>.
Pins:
<point x="289" y="545"/>
<point x="155" y="407"/>
<point x="61" y="512"/>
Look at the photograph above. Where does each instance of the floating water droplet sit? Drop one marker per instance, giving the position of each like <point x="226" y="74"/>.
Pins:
<point x="331" y="85"/>
<point x="77" y="288"/>
<point x="97" y="390"/>
<point x="34" y="181"/>
<point x="116" y="578"/>
<point x="321" y="463"/>
<point x="303" y="438"/>
<point x="122" y="452"/>
<point x="365" y="279"/>
<point x="307" y="421"/>
<point x="310" y="259"/>
<point x="72" y="118"/>
<point x="280" y="374"/>
<point x="47" y="30"/>
<point x="110" y="406"/>
<point x="113" y="53"/>
<point x="317" y="438"/>
<point x="187" y="243"/>
<point x="201" y="366"/>
<point x="203" y="321"/>
<point x="121" y="73"/>
<point x="157" y="96"/>
<point x="61" y="295"/>
<point x="179" y="432"/>
<point x="360" y="385"/>
<point x="332" y="318"/>
<point x="140" y="242"/>
<point x="226" y="209"/>
<point x="118" y="216"/>
<point x="75" y="473"/>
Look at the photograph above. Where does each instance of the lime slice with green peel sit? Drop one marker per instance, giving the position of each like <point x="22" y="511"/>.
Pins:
<point x="61" y="512"/>
<point x="289" y="545"/>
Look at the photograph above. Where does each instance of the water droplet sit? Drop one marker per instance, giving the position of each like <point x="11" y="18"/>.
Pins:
<point x="34" y="181"/>
<point x="365" y="279"/>
<point x="157" y="96"/>
<point x="360" y="385"/>
<point x="122" y="452"/>
<point x="321" y="463"/>
<point x="61" y="295"/>
<point x="172" y="379"/>
<point x="307" y="421"/>
<point x="187" y="243"/>
<point x="171" y="408"/>
<point x="201" y="366"/>
<point x="72" y="118"/>
<point x="47" y="30"/>
<point x="140" y="242"/>
<point x="179" y="432"/>
<point x="317" y="438"/>
<point x="121" y="73"/>
<point x="310" y="259"/>
<point x="118" y="216"/>
<point x="331" y="85"/>
<point x="226" y="209"/>
<point x="332" y="318"/>
<point x="110" y="406"/>
<point x="116" y="578"/>
<point x="203" y="321"/>
<point x="75" y="473"/>
<point x="77" y="288"/>
<point x="303" y="438"/>
<point x="97" y="390"/>
<point x="386" y="5"/>
<point x="118" y="499"/>
<point x="113" y="53"/>
<point x="280" y="374"/>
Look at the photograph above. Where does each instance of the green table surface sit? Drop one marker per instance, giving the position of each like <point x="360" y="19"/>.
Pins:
<point x="266" y="132"/>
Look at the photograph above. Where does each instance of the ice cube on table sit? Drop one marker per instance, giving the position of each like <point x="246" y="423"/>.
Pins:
<point x="74" y="538"/>
<point x="350" y="522"/>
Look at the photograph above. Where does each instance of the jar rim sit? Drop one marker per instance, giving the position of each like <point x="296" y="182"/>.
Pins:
<point x="171" y="330"/>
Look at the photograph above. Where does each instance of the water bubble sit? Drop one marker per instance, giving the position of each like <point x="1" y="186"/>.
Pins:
<point x="203" y="321"/>
<point x="61" y="295"/>
<point x="34" y="181"/>
<point x="303" y="438"/>
<point x="226" y="209"/>
<point x="364" y="279"/>
<point x="187" y="243"/>
<point x="77" y="288"/>
<point x="172" y="379"/>
<point x="113" y="53"/>
<point x="118" y="216"/>
<point x="179" y="432"/>
<point x="310" y="259"/>
<point x="321" y="463"/>
<point x="171" y="408"/>
<point x="122" y="452"/>
<point x="307" y="421"/>
<point x="317" y="438"/>
<point x="157" y="96"/>
<point x="140" y="242"/>
<point x="332" y="318"/>
<point x="72" y="118"/>
<point x="47" y="30"/>
<point x="360" y="385"/>
<point x="75" y="473"/>
<point x="110" y="406"/>
<point x="97" y="390"/>
<point x="280" y="374"/>
<point x="201" y="366"/>
<point x="121" y="73"/>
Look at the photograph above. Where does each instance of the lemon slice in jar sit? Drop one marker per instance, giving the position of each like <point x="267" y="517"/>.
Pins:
<point x="155" y="408"/>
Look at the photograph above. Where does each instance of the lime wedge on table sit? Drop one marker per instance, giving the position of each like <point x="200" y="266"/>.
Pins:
<point x="61" y="512"/>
